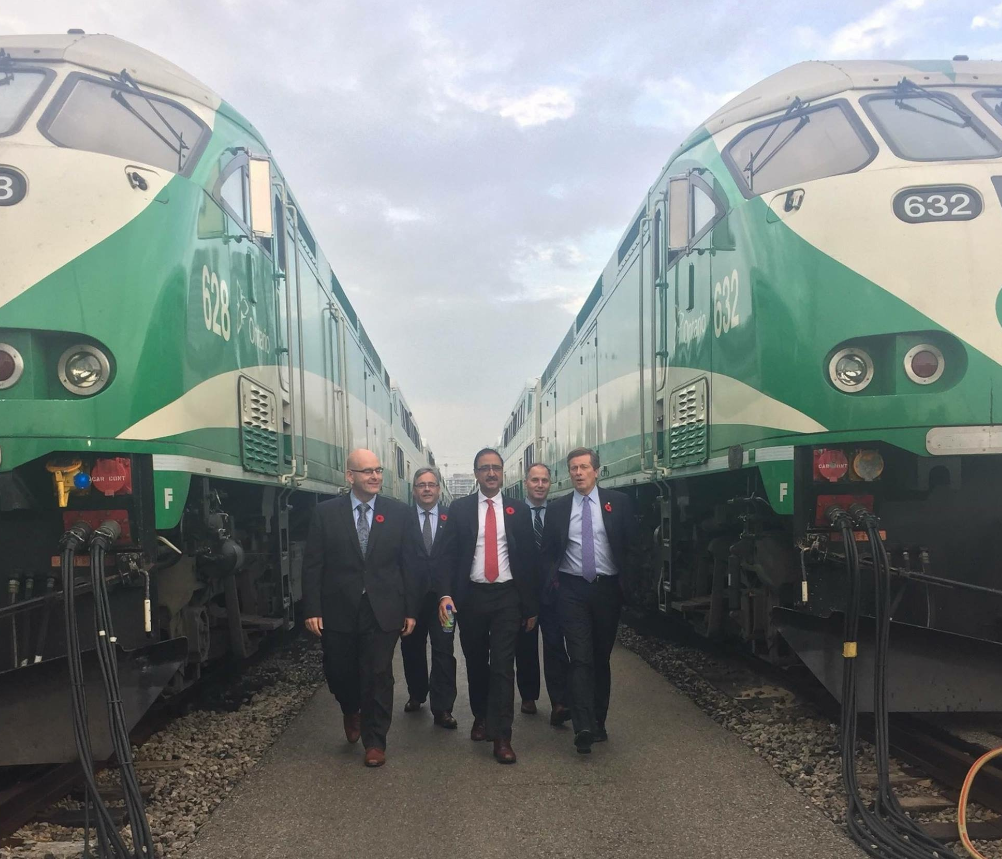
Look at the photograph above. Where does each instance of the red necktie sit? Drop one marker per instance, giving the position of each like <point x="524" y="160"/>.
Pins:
<point x="490" y="544"/>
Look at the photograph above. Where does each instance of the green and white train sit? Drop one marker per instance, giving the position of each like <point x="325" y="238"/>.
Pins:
<point x="804" y="314"/>
<point x="176" y="355"/>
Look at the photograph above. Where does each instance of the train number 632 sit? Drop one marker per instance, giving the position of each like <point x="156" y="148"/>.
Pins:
<point x="215" y="304"/>
<point x="937" y="203"/>
<point x="725" y="304"/>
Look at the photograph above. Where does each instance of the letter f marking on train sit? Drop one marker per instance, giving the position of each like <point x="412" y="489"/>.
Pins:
<point x="168" y="497"/>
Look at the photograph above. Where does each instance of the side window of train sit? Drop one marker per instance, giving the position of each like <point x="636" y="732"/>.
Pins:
<point x="804" y="144"/>
<point x="694" y="208"/>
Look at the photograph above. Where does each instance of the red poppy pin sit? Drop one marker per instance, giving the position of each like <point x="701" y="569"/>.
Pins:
<point x="443" y="517"/>
<point x="510" y="511"/>
<point x="608" y="506"/>
<point x="380" y="518"/>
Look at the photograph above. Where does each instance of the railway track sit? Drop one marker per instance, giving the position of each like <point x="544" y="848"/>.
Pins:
<point x="929" y="759"/>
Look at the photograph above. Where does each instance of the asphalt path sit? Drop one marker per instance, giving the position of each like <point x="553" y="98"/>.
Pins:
<point x="670" y="782"/>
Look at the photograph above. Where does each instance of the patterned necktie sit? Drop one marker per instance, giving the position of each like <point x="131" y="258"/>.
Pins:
<point x="363" y="527"/>
<point x="426" y="531"/>
<point x="490" y="544"/>
<point x="588" y="570"/>
<point x="537" y="525"/>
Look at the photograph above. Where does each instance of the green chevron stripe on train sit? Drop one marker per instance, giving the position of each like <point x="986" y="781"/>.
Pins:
<point x="176" y="354"/>
<point x="803" y="314"/>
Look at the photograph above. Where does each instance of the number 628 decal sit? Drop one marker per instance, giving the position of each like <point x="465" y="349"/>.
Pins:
<point x="937" y="203"/>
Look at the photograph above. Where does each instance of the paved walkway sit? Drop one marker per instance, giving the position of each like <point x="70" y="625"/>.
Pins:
<point x="669" y="783"/>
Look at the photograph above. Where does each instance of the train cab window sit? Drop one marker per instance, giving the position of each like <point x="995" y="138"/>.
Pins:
<point x="990" y="100"/>
<point x="804" y="144"/>
<point x="99" y="116"/>
<point x="20" y="91"/>
<point x="930" y="125"/>
<point x="704" y="210"/>
<point x="233" y="190"/>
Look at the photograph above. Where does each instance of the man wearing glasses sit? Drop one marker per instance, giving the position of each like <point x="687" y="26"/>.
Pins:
<point x="360" y="594"/>
<point x="487" y="571"/>
<point x="441" y="684"/>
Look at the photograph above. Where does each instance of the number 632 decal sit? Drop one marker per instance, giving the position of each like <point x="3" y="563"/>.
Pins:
<point x="725" y="304"/>
<point x="937" y="203"/>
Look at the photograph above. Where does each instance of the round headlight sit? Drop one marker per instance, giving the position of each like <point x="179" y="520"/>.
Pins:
<point x="924" y="364"/>
<point x="83" y="370"/>
<point x="11" y="366"/>
<point x="850" y="369"/>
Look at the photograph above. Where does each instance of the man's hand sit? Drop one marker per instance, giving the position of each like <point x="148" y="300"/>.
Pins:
<point x="530" y="624"/>
<point x="443" y="618"/>
<point x="315" y="625"/>
<point x="409" y="624"/>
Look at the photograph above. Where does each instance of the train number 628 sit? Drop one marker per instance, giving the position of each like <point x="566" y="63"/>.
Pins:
<point x="937" y="203"/>
<point x="215" y="304"/>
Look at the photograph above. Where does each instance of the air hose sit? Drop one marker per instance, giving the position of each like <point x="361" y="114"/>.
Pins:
<point x="965" y="791"/>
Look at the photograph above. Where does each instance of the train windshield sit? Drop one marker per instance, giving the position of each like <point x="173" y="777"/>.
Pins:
<point x="99" y="116"/>
<point x="929" y="125"/>
<point x="19" y="92"/>
<point x="805" y="143"/>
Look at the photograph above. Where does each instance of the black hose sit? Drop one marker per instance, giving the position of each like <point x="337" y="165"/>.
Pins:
<point x="109" y="841"/>
<point x="142" y="837"/>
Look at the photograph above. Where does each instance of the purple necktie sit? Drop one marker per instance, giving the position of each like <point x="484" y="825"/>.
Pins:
<point x="588" y="571"/>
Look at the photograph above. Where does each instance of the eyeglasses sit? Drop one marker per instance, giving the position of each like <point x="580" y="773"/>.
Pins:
<point x="497" y="468"/>
<point x="368" y="472"/>
<point x="425" y="485"/>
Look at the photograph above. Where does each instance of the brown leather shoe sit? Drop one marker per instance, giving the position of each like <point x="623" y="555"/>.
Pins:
<point x="559" y="714"/>
<point x="353" y="727"/>
<point x="529" y="708"/>
<point x="478" y="733"/>
<point x="503" y="751"/>
<point x="375" y="757"/>
<point x="445" y="719"/>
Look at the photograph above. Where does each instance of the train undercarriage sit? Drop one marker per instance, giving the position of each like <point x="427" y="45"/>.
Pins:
<point x="778" y="583"/>
<point x="209" y="589"/>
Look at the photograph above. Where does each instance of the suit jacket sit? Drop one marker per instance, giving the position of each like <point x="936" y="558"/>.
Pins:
<point x="427" y="565"/>
<point x="621" y="530"/>
<point x="457" y="543"/>
<point x="335" y="573"/>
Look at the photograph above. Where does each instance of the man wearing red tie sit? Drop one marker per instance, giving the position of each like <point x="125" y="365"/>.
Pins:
<point x="487" y="572"/>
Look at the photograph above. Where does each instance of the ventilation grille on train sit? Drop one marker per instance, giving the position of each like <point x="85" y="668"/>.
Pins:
<point x="259" y="437"/>
<point x="687" y="434"/>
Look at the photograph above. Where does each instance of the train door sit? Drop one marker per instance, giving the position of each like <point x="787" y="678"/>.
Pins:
<point x="336" y="400"/>
<point x="693" y="209"/>
<point x="369" y="378"/>
<point x="589" y="388"/>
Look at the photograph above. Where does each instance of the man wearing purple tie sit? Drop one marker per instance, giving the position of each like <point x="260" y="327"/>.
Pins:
<point x="590" y="537"/>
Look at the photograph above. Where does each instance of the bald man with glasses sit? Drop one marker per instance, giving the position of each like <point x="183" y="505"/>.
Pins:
<point x="440" y="684"/>
<point x="360" y="594"/>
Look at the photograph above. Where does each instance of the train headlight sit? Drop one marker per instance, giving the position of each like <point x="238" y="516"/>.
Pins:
<point x="850" y="369"/>
<point x="924" y="364"/>
<point x="83" y="370"/>
<point x="11" y="366"/>
<point x="868" y="464"/>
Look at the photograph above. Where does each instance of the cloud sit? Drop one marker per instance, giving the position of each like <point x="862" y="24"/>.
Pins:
<point x="677" y="103"/>
<point x="886" y="27"/>
<point x="541" y="106"/>
<point x="992" y="18"/>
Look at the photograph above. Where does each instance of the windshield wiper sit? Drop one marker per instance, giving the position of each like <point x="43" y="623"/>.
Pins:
<point x="127" y="80"/>
<point x="751" y="168"/>
<point x="908" y="88"/>
<point x="6" y="68"/>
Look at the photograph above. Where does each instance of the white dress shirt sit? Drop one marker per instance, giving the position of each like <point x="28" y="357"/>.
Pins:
<point x="604" y="563"/>
<point x="432" y="517"/>
<point x="504" y="568"/>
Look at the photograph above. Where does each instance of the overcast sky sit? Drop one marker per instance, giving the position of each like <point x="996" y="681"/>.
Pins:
<point x="468" y="167"/>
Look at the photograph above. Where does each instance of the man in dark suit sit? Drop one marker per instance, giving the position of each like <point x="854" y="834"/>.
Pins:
<point x="590" y="541"/>
<point x="360" y="591"/>
<point x="555" y="663"/>
<point x="488" y="573"/>
<point x="432" y="518"/>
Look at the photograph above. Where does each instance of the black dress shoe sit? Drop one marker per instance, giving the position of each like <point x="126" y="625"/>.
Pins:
<point x="446" y="720"/>
<point x="601" y="735"/>
<point x="478" y="733"/>
<point x="412" y="706"/>
<point x="583" y="741"/>
<point x="529" y="708"/>
<point x="559" y="714"/>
